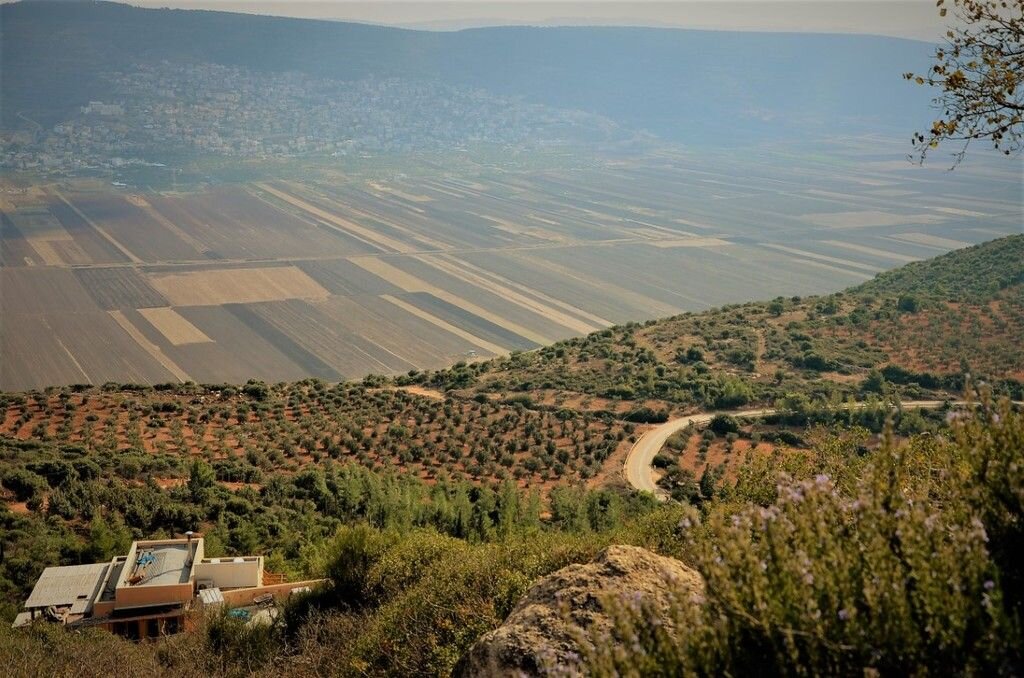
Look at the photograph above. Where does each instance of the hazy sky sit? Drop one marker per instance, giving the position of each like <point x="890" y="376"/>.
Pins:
<point x="905" y="18"/>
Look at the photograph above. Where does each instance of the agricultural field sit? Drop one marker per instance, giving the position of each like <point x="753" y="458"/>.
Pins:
<point x="338" y="277"/>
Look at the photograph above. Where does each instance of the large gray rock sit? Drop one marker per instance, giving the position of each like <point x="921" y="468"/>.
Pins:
<point x="538" y="634"/>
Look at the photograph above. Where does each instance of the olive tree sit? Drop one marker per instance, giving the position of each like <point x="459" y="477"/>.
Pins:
<point x="979" y="71"/>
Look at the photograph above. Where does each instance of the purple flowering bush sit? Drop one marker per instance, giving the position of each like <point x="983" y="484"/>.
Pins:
<point x="908" y="570"/>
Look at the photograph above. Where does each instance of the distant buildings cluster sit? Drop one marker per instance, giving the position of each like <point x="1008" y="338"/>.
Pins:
<point x="161" y="110"/>
<point x="100" y="108"/>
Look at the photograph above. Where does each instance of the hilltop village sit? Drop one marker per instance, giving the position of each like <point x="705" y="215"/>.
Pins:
<point x="211" y="109"/>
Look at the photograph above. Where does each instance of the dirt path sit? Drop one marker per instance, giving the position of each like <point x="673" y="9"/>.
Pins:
<point x="639" y="472"/>
<point x="425" y="392"/>
<point x="416" y="390"/>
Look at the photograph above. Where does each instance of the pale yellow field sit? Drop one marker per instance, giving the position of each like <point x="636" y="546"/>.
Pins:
<point x="837" y="269"/>
<point x="960" y="212"/>
<point x="144" y="205"/>
<point x="344" y="225"/>
<point x="44" y="234"/>
<point x="537" y="217"/>
<point x="417" y="238"/>
<point x="236" y="286"/>
<point x="519" y="229"/>
<point x="651" y="306"/>
<point x="694" y="224"/>
<point x="41" y="226"/>
<point x="99" y="229"/>
<point x="177" y="330"/>
<point x="46" y="251"/>
<point x="867" y="219"/>
<point x="597" y="320"/>
<point x="824" y="257"/>
<point x="690" y="242"/>
<point x="893" y="193"/>
<point x="445" y="325"/>
<point x="401" y="194"/>
<point x="871" y="250"/>
<point x="931" y="240"/>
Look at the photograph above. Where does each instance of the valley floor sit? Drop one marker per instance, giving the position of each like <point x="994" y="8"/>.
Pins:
<point x="281" y="280"/>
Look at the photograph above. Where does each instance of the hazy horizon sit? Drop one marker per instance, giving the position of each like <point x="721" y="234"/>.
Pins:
<point x="914" y="19"/>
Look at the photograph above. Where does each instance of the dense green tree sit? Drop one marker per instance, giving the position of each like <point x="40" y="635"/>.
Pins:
<point x="200" y="479"/>
<point x="107" y="538"/>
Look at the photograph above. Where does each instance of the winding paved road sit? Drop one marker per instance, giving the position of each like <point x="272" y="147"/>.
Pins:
<point x="638" y="469"/>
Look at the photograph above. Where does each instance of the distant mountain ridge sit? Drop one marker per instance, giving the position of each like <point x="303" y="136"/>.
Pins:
<point x="678" y="84"/>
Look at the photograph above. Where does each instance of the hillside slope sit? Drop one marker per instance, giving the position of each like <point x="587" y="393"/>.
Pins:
<point x="393" y="494"/>
<point x="567" y="414"/>
<point x="919" y="329"/>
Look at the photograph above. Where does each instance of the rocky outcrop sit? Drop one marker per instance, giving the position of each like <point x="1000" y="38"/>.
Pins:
<point x="539" y="632"/>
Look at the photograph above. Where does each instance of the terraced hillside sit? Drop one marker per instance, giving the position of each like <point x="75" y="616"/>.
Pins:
<point x="918" y="330"/>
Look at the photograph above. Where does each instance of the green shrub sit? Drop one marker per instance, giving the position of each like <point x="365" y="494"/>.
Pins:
<point x="723" y="424"/>
<point x="464" y="593"/>
<point x="646" y="415"/>
<point x="908" y="303"/>
<point x="237" y="647"/>
<point x="23" y="483"/>
<point x="352" y="553"/>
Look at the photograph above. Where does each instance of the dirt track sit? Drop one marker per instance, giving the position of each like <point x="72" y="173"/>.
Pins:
<point x="638" y="469"/>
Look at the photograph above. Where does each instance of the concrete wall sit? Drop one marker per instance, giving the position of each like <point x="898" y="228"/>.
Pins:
<point x="243" y="597"/>
<point x="100" y="607"/>
<point x="133" y="554"/>
<point x="226" y="573"/>
<point x="144" y="596"/>
<point x="103" y="608"/>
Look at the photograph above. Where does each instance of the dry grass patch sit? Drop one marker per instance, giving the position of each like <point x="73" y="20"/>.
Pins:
<point x="867" y="219"/>
<point x="237" y="286"/>
<point x="174" y="327"/>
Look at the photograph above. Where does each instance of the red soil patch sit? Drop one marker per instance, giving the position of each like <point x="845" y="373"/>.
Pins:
<point x="718" y="454"/>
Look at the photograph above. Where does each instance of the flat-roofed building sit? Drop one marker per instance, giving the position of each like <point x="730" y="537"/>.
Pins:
<point x="64" y="593"/>
<point x="150" y="591"/>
